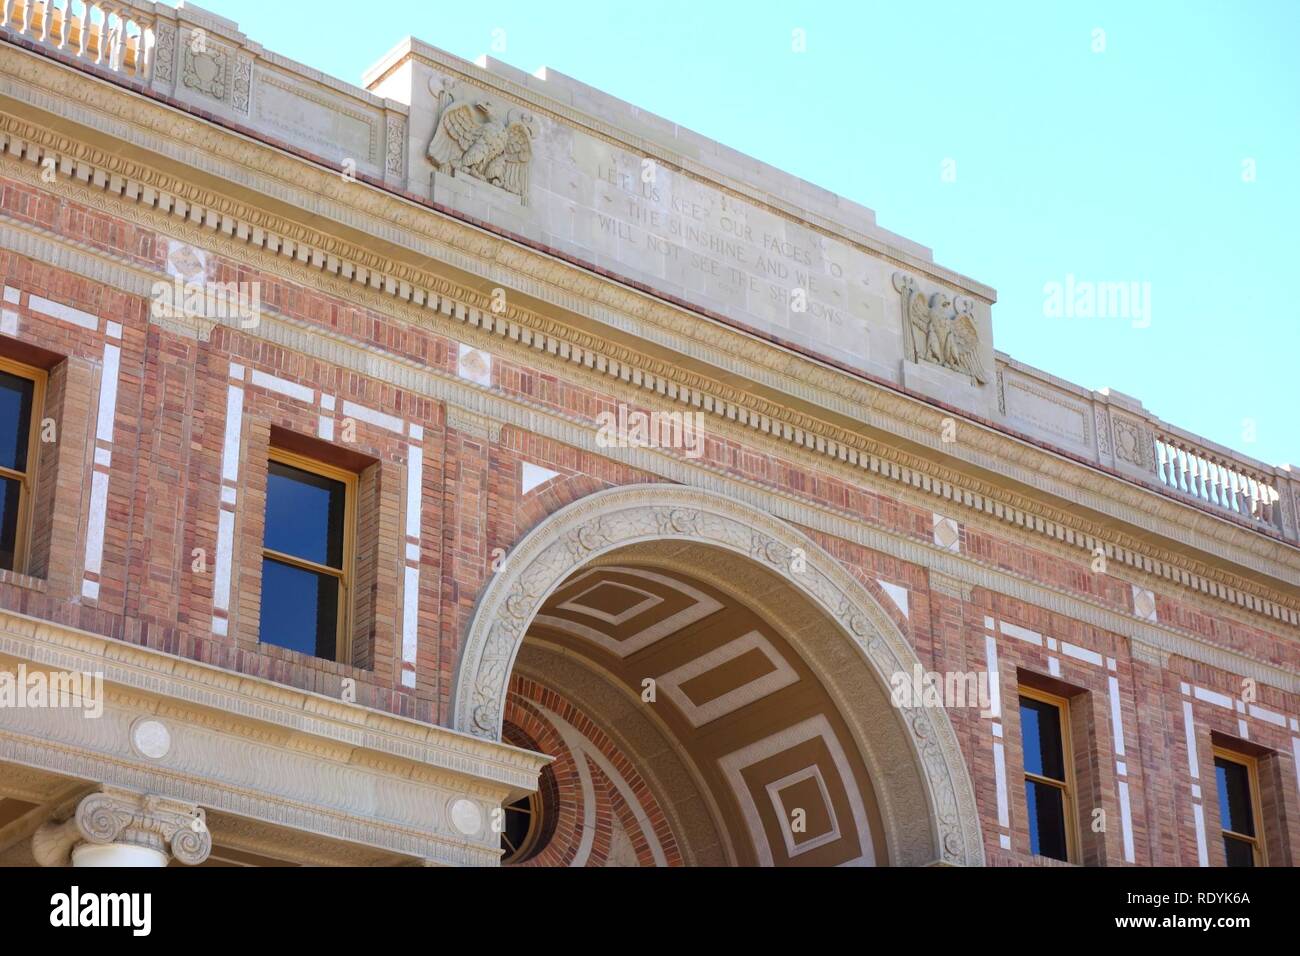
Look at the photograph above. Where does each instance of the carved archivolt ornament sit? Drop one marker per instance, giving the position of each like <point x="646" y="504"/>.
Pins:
<point x="479" y="138"/>
<point x="618" y="517"/>
<point x="940" y="329"/>
<point x="172" y="827"/>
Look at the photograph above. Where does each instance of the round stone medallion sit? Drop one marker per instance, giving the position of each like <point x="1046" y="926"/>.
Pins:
<point x="466" y="816"/>
<point x="151" y="738"/>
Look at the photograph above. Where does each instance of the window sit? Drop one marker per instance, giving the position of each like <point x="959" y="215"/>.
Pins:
<point x="1045" y="733"/>
<point x="307" y="556"/>
<point x="522" y="827"/>
<point x="528" y="824"/>
<point x="1238" y="783"/>
<point x="21" y="396"/>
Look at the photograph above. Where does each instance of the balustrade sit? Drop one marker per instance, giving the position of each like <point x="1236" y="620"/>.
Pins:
<point x="113" y="36"/>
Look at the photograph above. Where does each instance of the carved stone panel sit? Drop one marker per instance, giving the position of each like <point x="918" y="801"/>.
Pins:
<point x="1134" y="443"/>
<point x="1049" y="413"/>
<point x="477" y="135"/>
<point x="940" y="328"/>
<point x="205" y="65"/>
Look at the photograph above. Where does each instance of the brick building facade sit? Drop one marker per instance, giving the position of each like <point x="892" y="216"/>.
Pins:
<point x="671" y="512"/>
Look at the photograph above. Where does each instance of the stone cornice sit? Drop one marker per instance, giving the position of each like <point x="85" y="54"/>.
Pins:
<point x="894" y="413"/>
<point x="258" y="709"/>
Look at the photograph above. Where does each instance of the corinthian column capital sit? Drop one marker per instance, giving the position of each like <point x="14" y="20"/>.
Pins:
<point x="111" y="816"/>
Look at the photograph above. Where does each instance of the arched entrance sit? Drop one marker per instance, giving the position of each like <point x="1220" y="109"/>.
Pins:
<point x="770" y="666"/>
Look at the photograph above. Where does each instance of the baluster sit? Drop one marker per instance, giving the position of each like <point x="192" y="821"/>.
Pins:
<point x="1266" y="509"/>
<point x="45" y="21"/>
<point x="150" y="50"/>
<point x="144" y="55"/>
<point x="1220" y="486"/>
<point x="4" y="9"/>
<point x="27" y="16"/>
<point x="65" y="15"/>
<point x="1254" y="496"/>
<point x="101" y="34"/>
<point x="1161" y="461"/>
<point x="1198" y="475"/>
<point x="132" y="47"/>
<point x="83" y="28"/>
<point x="1185" y="461"/>
<point x="115" y="42"/>
<point x="1234" y="494"/>
<point x="1211" y="480"/>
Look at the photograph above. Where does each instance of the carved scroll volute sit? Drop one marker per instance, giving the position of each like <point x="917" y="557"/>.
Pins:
<point x="171" y="827"/>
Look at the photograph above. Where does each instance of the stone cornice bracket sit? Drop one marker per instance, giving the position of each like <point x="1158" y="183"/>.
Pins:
<point x="171" y="827"/>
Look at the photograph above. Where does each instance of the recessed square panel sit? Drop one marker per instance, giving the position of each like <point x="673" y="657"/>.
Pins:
<point x="612" y="601"/>
<point x="727" y="678"/>
<point x="679" y="605"/>
<point x="803" y="803"/>
<point x="773" y="777"/>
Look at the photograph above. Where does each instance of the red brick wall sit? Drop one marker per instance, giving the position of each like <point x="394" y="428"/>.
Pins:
<point x="165" y="486"/>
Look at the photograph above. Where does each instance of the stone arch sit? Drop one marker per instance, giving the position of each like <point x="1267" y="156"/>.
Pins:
<point x="621" y="517"/>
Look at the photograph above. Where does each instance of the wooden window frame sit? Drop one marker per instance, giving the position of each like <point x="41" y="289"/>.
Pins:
<point x="345" y="574"/>
<point x="1252" y="778"/>
<point x="528" y="846"/>
<point x="1068" y="787"/>
<point x="27" y="480"/>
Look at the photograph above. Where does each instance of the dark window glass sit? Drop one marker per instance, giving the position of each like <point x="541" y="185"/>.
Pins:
<point x="519" y="823"/>
<point x="304" y="515"/>
<point x="1235" y="811"/>
<point x="15" y="420"/>
<point x="1046" y="805"/>
<point x="299" y="609"/>
<point x="10" y="492"/>
<point x="1239" y="852"/>
<point x="1040" y="727"/>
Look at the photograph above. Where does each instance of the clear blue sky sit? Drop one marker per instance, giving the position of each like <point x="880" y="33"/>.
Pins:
<point x="1117" y="166"/>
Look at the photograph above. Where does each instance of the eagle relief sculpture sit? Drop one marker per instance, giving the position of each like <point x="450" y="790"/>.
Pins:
<point x="940" y="329"/>
<point x="473" y="136"/>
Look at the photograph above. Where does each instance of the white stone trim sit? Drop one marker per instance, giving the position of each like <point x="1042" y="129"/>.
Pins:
<point x="608" y="520"/>
<point x="782" y="675"/>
